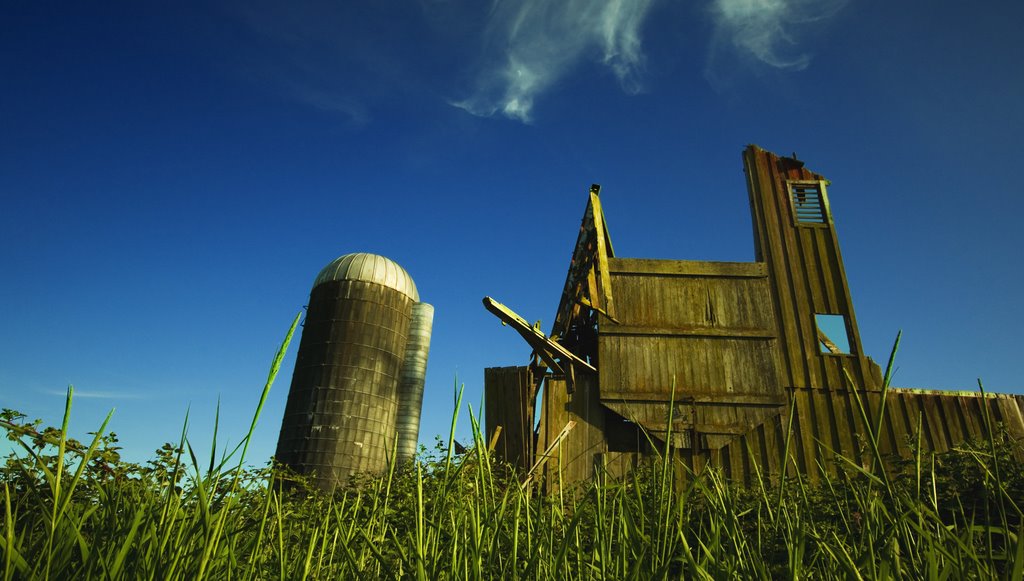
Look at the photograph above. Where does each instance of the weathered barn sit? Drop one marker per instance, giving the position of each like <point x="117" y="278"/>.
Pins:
<point x="739" y="355"/>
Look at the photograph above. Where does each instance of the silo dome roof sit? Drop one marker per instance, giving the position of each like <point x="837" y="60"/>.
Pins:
<point x="369" y="268"/>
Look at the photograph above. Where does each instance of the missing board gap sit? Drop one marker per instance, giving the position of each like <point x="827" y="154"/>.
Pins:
<point x="833" y="334"/>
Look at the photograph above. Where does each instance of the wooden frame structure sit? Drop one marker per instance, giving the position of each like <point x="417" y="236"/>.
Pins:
<point x="732" y="352"/>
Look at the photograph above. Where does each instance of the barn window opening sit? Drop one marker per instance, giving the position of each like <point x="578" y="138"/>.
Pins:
<point x="833" y="334"/>
<point x="808" y="200"/>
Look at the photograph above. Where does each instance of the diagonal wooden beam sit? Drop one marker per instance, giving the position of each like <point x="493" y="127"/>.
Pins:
<point x="832" y="347"/>
<point x="602" y="253"/>
<point x="543" y="458"/>
<point x="558" y="358"/>
<point x="588" y="275"/>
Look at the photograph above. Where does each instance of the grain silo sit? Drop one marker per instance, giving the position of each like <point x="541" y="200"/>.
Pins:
<point x="361" y="365"/>
<point x="410" y="384"/>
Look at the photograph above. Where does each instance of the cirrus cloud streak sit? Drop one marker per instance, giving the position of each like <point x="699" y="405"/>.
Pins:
<point x="530" y="45"/>
<point x="766" y="29"/>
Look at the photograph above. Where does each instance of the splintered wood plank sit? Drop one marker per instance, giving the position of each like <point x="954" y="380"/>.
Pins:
<point x="553" y="354"/>
<point x="802" y="322"/>
<point x="555" y="417"/>
<point x="832" y="347"/>
<point x="847" y="427"/>
<point x="493" y="441"/>
<point x="544" y="459"/>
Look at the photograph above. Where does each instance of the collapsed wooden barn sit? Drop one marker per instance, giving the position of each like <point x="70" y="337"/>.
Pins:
<point x="740" y="355"/>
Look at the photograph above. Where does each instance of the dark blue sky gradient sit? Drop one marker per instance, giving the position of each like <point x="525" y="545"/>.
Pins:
<point x="175" y="174"/>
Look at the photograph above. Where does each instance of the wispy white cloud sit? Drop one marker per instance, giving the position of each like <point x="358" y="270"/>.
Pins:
<point x="766" y="29"/>
<point x="530" y="45"/>
<point x="354" y="59"/>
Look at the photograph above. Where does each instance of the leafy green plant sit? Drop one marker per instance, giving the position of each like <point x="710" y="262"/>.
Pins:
<point x="77" y="511"/>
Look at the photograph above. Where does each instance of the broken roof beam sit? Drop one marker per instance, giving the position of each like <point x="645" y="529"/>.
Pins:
<point x="558" y="358"/>
<point x="588" y="282"/>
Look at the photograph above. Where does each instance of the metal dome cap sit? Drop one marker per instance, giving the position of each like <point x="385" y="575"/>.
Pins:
<point x="367" y="267"/>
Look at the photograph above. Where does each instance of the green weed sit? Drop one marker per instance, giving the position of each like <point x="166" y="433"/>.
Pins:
<point x="72" y="511"/>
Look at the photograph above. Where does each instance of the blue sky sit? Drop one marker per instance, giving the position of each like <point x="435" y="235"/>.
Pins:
<point x="175" y="174"/>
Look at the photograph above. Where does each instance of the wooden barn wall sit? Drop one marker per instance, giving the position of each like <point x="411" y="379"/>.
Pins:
<point x="826" y="424"/>
<point x="576" y="457"/>
<point x="510" y="402"/>
<point x="805" y="269"/>
<point x="739" y="343"/>
<point x="707" y="328"/>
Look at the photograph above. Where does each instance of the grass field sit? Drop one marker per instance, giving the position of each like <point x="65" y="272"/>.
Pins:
<point x="75" y="511"/>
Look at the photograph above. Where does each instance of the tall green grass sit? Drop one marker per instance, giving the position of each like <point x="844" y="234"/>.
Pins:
<point x="75" y="511"/>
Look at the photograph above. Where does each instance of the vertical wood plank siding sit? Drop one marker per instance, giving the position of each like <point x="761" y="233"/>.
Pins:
<point x="728" y="349"/>
<point x="510" y="402"/>
<point x="706" y="329"/>
<point x="575" y="458"/>
<point x="812" y="442"/>
<point x="806" y="273"/>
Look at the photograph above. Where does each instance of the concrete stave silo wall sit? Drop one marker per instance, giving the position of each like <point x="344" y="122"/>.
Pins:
<point x="341" y="415"/>
<point x="413" y="376"/>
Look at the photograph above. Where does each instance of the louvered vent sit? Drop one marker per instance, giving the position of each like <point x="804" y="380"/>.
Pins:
<point x="808" y="202"/>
